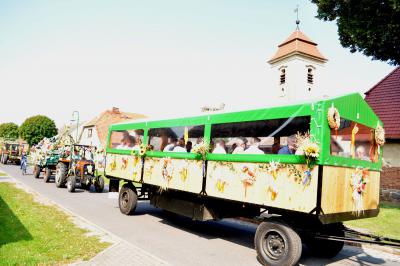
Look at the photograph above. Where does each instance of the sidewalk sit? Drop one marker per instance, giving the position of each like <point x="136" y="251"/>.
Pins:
<point x="119" y="253"/>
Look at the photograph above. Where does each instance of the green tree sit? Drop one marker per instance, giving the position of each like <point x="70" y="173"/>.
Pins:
<point x="35" y="128"/>
<point x="9" y="130"/>
<point x="368" y="26"/>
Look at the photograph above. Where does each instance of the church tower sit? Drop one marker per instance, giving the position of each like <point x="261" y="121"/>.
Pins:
<point x="298" y="68"/>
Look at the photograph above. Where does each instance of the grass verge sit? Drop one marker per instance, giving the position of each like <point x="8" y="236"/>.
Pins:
<point x="387" y="223"/>
<point x="36" y="234"/>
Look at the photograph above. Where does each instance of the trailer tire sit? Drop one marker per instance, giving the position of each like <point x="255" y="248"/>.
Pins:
<point x="127" y="199"/>
<point x="47" y="174"/>
<point x="36" y="171"/>
<point x="277" y="244"/>
<point x="99" y="184"/>
<point x="61" y="175"/>
<point x="71" y="183"/>
<point x="327" y="248"/>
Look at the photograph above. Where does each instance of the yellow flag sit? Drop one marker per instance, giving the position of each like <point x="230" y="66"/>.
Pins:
<point x="186" y="135"/>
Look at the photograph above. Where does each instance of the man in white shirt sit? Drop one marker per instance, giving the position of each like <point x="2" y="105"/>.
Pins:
<point x="220" y="147"/>
<point x="254" y="147"/>
<point x="180" y="147"/>
<point x="171" y="145"/>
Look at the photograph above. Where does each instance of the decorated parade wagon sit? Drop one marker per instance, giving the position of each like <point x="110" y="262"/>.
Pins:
<point x="302" y="169"/>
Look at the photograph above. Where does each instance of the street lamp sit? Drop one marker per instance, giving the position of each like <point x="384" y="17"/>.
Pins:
<point x="77" y="122"/>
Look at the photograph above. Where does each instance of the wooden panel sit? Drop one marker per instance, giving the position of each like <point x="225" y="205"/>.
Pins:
<point x="180" y="174"/>
<point x="254" y="183"/>
<point x="337" y="190"/>
<point x="124" y="166"/>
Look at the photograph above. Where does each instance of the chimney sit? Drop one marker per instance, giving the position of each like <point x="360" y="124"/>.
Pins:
<point x="115" y="110"/>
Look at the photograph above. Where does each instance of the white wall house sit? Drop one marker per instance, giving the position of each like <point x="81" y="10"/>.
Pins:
<point x="298" y="68"/>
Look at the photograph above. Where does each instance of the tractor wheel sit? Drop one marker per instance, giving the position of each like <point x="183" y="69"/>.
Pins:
<point x="5" y="159"/>
<point x="327" y="248"/>
<point x="71" y="182"/>
<point x="36" y="171"/>
<point x="47" y="174"/>
<point x="277" y="244"/>
<point x="61" y="175"/>
<point x="99" y="184"/>
<point x="127" y="199"/>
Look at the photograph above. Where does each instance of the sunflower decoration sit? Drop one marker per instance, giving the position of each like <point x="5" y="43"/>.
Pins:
<point x="201" y="148"/>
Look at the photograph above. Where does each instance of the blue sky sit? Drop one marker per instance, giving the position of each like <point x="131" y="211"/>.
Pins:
<point x="153" y="57"/>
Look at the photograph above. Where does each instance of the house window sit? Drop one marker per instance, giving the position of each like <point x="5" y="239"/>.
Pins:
<point x="283" y="76"/>
<point x="310" y="75"/>
<point x="90" y="133"/>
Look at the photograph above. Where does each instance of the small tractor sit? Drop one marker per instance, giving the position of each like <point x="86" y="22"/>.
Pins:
<point x="77" y="168"/>
<point x="10" y="151"/>
<point x="46" y="163"/>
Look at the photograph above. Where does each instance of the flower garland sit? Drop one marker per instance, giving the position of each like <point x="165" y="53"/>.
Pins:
<point x="359" y="180"/>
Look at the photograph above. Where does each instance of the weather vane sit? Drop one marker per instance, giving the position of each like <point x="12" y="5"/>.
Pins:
<point x="297" y="17"/>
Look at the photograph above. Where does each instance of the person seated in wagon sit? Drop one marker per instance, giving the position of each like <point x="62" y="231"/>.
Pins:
<point x="220" y="147"/>
<point x="290" y="148"/>
<point x="254" y="146"/>
<point x="180" y="146"/>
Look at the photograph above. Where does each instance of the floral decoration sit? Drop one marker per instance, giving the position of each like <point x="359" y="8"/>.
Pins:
<point x="248" y="178"/>
<point x="359" y="180"/>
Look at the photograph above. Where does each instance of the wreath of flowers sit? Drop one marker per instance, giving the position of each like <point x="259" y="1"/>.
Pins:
<point x="333" y="118"/>
<point x="379" y="135"/>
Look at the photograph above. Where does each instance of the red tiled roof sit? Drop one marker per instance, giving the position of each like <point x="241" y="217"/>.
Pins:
<point x="109" y="117"/>
<point x="298" y="43"/>
<point x="384" y="99"/>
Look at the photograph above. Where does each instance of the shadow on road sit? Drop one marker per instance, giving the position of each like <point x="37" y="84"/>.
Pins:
<point x="242" y="233"/>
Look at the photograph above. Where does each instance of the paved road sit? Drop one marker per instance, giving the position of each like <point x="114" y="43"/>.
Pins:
<point x="177" y="240"/>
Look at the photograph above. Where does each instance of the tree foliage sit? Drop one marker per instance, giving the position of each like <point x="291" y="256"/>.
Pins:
<point x="9" y="130"/>
<point x="368" y="26"/>
<point x="35" y="128"/>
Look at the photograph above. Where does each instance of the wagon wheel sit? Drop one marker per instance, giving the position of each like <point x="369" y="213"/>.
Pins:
<point x="277" y="244"/>
<point x="127" y="200"/>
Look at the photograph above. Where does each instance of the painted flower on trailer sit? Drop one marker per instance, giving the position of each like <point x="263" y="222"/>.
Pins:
<point x="272" y="168"/>
<point x="167" y="168"/>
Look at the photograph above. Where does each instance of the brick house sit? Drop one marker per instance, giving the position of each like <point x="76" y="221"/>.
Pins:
<point x="384" y="98"/>
<point x="95" y="131"/>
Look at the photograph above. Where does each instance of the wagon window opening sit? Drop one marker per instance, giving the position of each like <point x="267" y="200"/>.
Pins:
<point x="341" y="140"/>
<point x="258" y="137"/>
<point x="175" y="139"/>
<point x="126" y="139"/>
